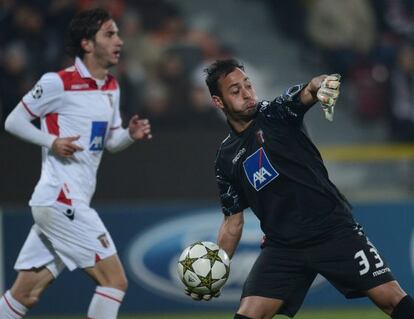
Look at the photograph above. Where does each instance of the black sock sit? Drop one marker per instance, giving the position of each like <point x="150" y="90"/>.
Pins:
<point x="237" y="316"/>
<point x="405" y="309"/>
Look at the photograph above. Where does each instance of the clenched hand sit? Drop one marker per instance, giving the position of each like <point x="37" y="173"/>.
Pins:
<point x="139" y="128"/>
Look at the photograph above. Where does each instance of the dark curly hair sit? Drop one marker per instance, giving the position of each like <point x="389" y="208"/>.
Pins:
<point x="218" y="69"/>
<point x="84" y="25"/>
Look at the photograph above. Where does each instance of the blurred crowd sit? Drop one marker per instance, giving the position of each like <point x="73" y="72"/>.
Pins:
<point x="160" y="72"/>
<point x="370" y="43"/>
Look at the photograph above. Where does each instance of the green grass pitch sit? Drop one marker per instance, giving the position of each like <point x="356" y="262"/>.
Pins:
<point x="362" y="313"/>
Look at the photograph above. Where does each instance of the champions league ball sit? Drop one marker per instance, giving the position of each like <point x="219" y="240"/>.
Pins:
<point x="203" y="267"/>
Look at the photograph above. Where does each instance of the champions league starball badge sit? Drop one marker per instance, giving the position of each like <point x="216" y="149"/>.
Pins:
<point x="37" y="91"/>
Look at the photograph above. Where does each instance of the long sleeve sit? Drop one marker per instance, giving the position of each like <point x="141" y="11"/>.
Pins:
<point x="19" y="123"/>
<point x="118" y="140"/>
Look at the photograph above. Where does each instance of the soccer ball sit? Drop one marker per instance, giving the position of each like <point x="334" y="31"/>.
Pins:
<point x="203" y="267"/>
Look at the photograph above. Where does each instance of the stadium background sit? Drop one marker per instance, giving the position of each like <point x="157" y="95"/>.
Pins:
<point x="162" y="191"/>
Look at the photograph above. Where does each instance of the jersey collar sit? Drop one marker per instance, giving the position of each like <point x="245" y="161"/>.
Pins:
<point x="82" y="69"/>
<point x="233" y="132"/>
<point x="86" y="75"/>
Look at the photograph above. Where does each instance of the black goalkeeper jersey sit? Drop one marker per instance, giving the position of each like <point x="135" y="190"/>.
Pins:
<point x="275" y="169"/>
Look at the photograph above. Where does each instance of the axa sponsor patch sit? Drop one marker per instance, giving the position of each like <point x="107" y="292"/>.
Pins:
<point x="258" y="169"/>
<point x="98" y="133"/>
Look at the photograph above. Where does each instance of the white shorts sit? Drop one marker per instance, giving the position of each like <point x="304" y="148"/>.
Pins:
<point x="75" y="238"/>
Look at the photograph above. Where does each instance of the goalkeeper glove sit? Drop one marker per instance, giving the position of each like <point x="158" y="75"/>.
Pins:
<point x="328" y="94"/>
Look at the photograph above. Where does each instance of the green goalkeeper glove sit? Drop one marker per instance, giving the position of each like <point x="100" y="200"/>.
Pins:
<point x="328" y="94"/>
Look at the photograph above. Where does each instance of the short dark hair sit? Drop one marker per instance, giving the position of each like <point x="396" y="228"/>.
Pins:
<point x="84" y="25"/>
<point x="218" y="69"/>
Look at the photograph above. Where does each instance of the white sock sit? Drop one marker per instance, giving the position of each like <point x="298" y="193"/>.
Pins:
<point x="10" y="308"/>
<point x="105" y="303"/>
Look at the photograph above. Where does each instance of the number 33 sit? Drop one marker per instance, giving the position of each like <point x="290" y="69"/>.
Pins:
<point x="363" y="260"/>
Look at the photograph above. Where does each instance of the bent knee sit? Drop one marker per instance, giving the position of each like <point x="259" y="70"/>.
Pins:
<point x="120" y="283"/>
<point x="256" y="314"/>
<point x="259" y="307"/>
<point x="123" y="284"/>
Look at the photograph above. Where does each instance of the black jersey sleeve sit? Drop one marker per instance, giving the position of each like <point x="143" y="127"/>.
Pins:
<point x="287" y="106"/>
<point x="232" y="202"/>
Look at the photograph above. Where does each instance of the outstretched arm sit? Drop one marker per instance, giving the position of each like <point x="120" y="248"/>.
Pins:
<point x="297" y="100"/>
<point x="230" y="233"/>
<point x="323" y="88"/>
<point x="308" y="96"/>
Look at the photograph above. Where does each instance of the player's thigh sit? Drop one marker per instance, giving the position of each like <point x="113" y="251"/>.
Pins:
<point x="352" y="264"/>
<point x="386" y="296"/>
<point x="38" y="252"/>
<point x="37" y="265"/>
<point x="279" y="274"/>
<point x="259" y="307"/>
<point x="30" y="284"/>
<point x="109" y="272"/>
<point x="80" y="239"/>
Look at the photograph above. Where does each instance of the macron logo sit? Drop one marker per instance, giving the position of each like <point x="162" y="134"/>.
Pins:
<point x="238" y="155"/>
<point x="79" y="86"/>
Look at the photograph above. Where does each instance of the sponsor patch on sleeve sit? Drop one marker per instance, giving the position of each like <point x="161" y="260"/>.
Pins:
<point x="258" y="169"/>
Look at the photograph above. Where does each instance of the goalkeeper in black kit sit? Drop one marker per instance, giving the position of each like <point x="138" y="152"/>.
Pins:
<point x="268" y="163"/>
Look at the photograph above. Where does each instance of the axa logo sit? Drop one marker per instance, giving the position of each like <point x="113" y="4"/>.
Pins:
<point x="97" y="143"/>
<point x="258" y="169"/>
<point x="98" y="132"/>
<point x="260" y="176"/>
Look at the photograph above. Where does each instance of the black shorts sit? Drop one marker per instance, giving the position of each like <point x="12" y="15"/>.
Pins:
<point x="351" y="264"/>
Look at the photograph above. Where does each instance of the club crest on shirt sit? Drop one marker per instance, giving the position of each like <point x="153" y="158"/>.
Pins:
<point x="37" y="91"/>
<point x="258" y="169"/>
<point x="263" y="105"/>
<point x="98" y="132"/>
<point x="260" y="137"/>
<point x="104" y="241"/>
